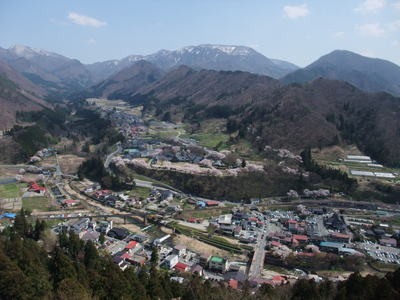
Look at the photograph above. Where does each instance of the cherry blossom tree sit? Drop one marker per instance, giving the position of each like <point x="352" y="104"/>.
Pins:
<point x="281" y="251"/>
<point x="357" y="254"/>
<point x="215" y="172"/>
<point x="164" y="203"/>
<point x="34" y="159"/>
<point x="20" y="178"/>
<point x="40" y="178"/>
<point x="137" y="163"/>
<point x="31" y="169"/>
<point x="302" y="209"/>
<point x="215" y="155"/>
<point x="39" y="153"/>
<point x="233" y="172"/>
<point x="21" y="171"/>
<point x="292" y="194"/>
<point x="316" y="193"/>
<point x="312" y="248"/>
<point x="205" y="163"/>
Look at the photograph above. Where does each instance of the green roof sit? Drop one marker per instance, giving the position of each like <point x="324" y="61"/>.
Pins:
<point x="216" y="259"/>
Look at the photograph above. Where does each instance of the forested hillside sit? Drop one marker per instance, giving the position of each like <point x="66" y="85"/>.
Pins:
<point x="34" y="264"/>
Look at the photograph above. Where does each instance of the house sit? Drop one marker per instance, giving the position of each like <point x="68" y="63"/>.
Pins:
<point x="137" y="260"/>
<point x="278" y="279"/>
<point x="225" y="220"/>
<point x="274" y="244"/>
<point x="131" y="245"/>
<point x="254" y="201"/>
<point x="302" y="239"/>
<point x="212" y="203"/>
<point x="336" y="222"/>
<point x="118" y="233"/>
<point x="166" y="194"/>
<point x="237" y="231"/>
<point x="202" y="204"/>
<point x="122" y="254"/>
<point x="340" y="237"/>
<point x="106" y="226"/>
<point x="181" y="267"/>
<point x="233" y="284"/>
<point x="88" y="189"/>
<point x="260" y="224"/>
<point x="331" y="247"/>
<point x="191" y="220"/>
<point x="92" y="236"/>
<point x="171" y="261"/>
<point x="40" y="190"/>
<point x="388" y="242"/>
<point x="227" y="229"/>
<point x="218" y="264"/>
<point x="292" y="225"/>
<point x="197" y="268"/>
<point x="179" y="250"/>
<point x="253" y="221"/>
<point x="317" y="211"/>
<point x="120" y="262"/>
<point x="172" y="208"/>
<point x="140" y="238"/>
<point x="204" y="259"/>
<point x="80" y="225"/>
<point x="69" y="202"/>
<point x="219" y="164"/>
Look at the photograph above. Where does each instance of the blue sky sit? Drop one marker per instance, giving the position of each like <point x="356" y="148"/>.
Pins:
<point x="296" y="31"/>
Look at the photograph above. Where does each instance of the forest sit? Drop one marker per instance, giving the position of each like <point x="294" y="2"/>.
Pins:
<point x="35" y="264"/>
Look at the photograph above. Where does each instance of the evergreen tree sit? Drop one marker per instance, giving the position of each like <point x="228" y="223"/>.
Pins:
<point x="61" y="267"/>
<point x="154" y="256"/>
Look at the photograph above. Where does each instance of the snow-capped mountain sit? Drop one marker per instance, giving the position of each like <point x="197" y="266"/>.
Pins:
<point x="213" y="57"/>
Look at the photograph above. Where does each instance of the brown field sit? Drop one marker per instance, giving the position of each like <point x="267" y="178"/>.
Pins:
<point x="70" y="163"/>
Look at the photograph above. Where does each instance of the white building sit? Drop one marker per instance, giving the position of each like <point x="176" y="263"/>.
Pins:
<point x="171" y="261"/>
<point x="180" y="250"/>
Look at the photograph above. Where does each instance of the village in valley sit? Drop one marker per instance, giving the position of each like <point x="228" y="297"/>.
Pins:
<point x="318" y="234"/>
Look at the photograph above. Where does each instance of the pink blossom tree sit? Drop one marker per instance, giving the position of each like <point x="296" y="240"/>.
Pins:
<point x="312" y="248"/>
<point x="21" y="171"/>
<point x="206" y="163"/>
<point x="292" y="194"/>
<point x="34" y="159"/>
<point x="40" y="178"/>
<point x="39" y="153"/>
<point x="20" y="178"/>
<point x="281" y="251"/>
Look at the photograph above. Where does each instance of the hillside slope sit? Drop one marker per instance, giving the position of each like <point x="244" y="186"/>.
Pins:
<point x="368" y="74"/>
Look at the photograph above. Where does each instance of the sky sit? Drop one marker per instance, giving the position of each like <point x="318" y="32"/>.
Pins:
<point x="299" y="32"/>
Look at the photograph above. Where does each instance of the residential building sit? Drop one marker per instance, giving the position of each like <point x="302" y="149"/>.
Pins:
<point x="137" y="260"/>
<point x="218" y="264"/>
<point x="171" y="261"/>
<point x="80" y="225"/>
<point x="388" y="242"/>
<point x="172" y="208"/>
<point x="254" y="201"/>
<point x="292" y="225"/>
<point x="140" y="238"/>
<point x="93" y="236"/>
<point x="118" y="233"/>
<point x="212" y="203"/>
<point x="237" y="231"/>
<point x="204" y="259"/>
<point x="167" y="195"/>
<point x="181" y="267"/>
<point x="179" y="250"/>
<point x="340" y="237"/>
<point x="197" y="268"/>
<point x="225" y="220"/>
<point x="106" y="226"/>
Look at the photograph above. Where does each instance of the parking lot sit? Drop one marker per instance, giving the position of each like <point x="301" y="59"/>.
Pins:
<point x="381" y="253"/>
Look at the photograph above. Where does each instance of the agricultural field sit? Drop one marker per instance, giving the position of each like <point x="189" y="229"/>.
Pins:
<point x="140" y="192"/>
<point x="39" y="203"/>
<point x="11" y="190"/>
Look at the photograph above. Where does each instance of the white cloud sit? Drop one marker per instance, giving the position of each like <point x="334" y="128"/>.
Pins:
<point x="85" y="20"/>
<point x="338" y="34"/>
<point x="395" y="43"/>
<point x="52" y="20"/>
<point x="371" y="29"/>
<point x="294" y="12"/>
<point x="394" y="25"/>
<point x="90" y="41"/>
<point x="371" y="6"/>
<point x="368" y="54"/>
<point x="396" y="6"/>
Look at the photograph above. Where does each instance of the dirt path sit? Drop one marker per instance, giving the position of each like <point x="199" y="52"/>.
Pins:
<point x="200" y="247"/>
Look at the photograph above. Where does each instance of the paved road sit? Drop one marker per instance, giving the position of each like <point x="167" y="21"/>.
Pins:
<point x="259" y="254"/>
<point x="119" y="149"/>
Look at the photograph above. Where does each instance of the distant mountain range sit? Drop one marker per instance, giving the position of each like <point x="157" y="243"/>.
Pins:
<point x="295" y="109"/>
<point x="368" y="74"/>
<point x="212" y="57"/>
<point x="61" y="76"/>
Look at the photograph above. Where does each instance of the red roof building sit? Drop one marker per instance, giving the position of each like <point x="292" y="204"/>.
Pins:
<point x="192" y="220"/>
<point x="181" y="267"/>
<point x="131" y="245"/>
<point x="233" y="284"/>
<point x="275" y="244"/>
<point x="278" y="279"/>
<point x="300" y="238"/>
<point x="212" y="203"/>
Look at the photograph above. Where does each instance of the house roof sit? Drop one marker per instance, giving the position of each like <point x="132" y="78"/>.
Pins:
<point x="179" y="247"/>
<point x="292" y="222"/>
<point x="191" y="220"/>
<point x="237" y="229"/>
<point x="239" y="276"/>
<point x="195" y="268"/>
<point x="91" y="236"/>
<point x="279" y="278"/>
<point x="300" y="237"/>
<point x="306" y="254"/>
<point x="233" y="283"/>
<point x="275" y="244"/>
<point x="180" y="266"/>
<point x="212" y="203"/>
<point x="205" y="256"/>
<point x="216" y="259"/>
<point x="132" y="244"/>
<point x="340" y="235"/>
